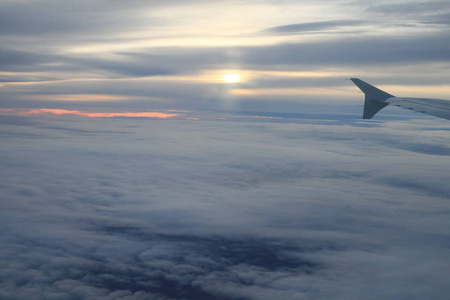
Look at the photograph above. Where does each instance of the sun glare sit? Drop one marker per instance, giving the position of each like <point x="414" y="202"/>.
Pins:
<point x="230" y="78"/>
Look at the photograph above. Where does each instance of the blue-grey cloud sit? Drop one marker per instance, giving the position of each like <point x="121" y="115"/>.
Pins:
<point x="171" y="61"/>
<point x="82" y="20"/>
<point x="410" y="14"/>
<point x="440" y="19"/>
<point x="20" y="60"/>
<point x="314" y="26"/>
<point x="353" y="51"/>
<point x="77" y="18"/>
<point x="234" y="208"/>
<point x="405" y="10"/>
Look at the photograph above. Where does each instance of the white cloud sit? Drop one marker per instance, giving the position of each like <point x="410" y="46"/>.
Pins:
<point x="221" y="209"/>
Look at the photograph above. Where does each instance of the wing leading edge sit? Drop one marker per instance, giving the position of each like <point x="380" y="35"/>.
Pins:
<point x="376" y="99"/>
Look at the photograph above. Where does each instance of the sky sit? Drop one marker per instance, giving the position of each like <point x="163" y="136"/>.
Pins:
<point x="215" y="150"/>
<point x="287" y="55"/>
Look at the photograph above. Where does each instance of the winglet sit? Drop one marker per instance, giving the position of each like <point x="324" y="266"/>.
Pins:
<point x="374" y="100"/>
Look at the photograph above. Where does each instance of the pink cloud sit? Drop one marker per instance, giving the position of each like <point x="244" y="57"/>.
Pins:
<point x="41" y="111"/>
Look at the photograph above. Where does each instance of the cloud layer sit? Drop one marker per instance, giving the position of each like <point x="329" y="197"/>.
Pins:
<point x="176" y="51"/>
<point x="228" y="207"/>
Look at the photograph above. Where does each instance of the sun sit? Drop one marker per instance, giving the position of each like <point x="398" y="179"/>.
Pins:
<point x="231" y="78"/>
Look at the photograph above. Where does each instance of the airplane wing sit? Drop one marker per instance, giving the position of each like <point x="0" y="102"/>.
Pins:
<point x="433" y="107"/>
<point x="376" y="99"/>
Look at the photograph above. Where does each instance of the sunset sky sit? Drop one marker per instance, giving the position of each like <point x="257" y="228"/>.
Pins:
<point x="281" y="55"/>
<point x="214" y="150"/>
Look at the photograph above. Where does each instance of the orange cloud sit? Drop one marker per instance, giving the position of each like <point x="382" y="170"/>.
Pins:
<point x="41" y="111"/>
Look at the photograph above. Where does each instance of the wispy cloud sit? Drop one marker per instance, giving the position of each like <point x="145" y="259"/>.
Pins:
<point x="93" y="48"/>
<point x="314" y="26"/>
<point x="51" y="111"/>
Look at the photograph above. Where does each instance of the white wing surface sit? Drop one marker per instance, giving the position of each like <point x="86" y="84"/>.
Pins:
<point x="376" y="99"/>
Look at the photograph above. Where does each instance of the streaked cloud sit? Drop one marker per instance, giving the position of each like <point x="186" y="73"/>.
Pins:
<point x="43" y="111"/>
<point x="315" y="26"/>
